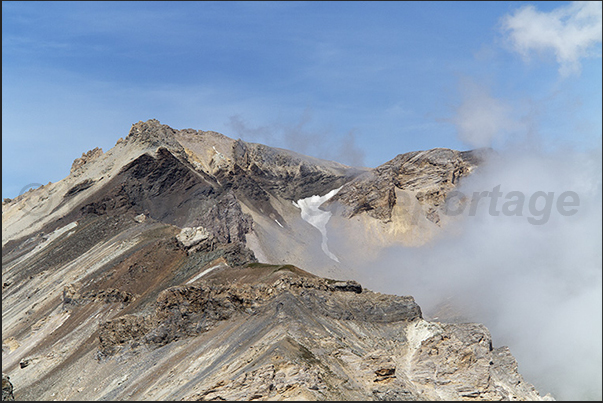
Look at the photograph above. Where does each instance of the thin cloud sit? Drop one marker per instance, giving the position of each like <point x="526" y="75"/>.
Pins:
<point x="302" y="138"/>
<point x="349" y="152"/>
<point x="481" y="119"/>
<point x="571" y="33"/>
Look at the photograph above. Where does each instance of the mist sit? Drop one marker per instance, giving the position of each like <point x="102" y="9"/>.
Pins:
<point x="537" y="287"/>
<point x="301" y="137"/>
<point x="481" y="119"/>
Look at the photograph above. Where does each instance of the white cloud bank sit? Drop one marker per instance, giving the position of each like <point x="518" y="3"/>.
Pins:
<point x="571" y="32"/>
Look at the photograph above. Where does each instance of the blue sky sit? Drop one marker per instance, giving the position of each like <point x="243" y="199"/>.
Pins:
<point x="357" y="82"/>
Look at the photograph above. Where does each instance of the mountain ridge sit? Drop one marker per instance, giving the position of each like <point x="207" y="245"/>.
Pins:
<point x="176" y="265"/>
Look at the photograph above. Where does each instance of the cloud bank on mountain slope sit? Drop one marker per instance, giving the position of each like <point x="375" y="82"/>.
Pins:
<point x="536" y="287"/>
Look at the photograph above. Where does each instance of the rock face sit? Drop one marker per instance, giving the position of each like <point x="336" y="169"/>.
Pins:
<point x="170" y="267"/>
<point x="430" y="174"/>
<point x="7" y="388"/>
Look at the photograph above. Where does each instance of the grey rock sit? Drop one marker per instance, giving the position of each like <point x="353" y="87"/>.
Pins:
<point x="7" y="388"/>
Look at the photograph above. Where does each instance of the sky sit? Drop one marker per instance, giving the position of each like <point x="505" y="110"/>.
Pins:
<point x="355" y="82"/>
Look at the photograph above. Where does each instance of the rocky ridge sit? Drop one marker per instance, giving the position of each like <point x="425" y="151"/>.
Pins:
<point x="411" y="359"/>
<point x="430" y="175"/>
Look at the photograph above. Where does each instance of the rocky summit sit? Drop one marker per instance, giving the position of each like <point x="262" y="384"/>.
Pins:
<point x="186" y="265"/>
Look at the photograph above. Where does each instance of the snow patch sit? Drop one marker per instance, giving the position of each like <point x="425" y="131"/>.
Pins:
<point x="312" y="214"/>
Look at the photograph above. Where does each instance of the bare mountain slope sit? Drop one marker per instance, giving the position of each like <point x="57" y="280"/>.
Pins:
<point x="139" y="277"/>
<point x="176" y="176"/>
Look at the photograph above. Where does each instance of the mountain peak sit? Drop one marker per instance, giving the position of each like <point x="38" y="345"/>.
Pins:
<point x="154" y="134"/>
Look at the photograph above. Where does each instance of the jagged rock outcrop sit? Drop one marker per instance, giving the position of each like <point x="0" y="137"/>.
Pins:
<point x="7" y="388"/>
<point x="72" y="296"/>
<point x="86" y="158"/>
<point x="153" y="134"/>
<point x="192" y="238"/>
